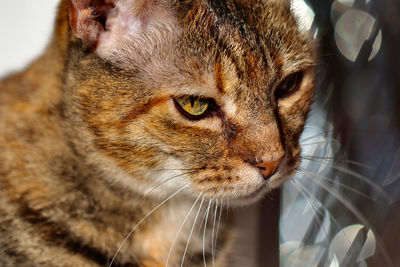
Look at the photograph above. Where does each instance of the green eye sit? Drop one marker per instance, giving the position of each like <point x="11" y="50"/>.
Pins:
<point x="193" y="107"/>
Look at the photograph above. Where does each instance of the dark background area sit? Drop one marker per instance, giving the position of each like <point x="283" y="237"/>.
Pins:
<point x="362" y="101"/>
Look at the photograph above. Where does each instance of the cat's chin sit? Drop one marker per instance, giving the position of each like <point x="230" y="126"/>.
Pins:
<point x="271" y="184"/>
<point x="250" y="198"/>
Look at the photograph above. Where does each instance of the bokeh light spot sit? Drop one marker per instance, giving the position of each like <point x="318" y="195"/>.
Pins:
<point x="352" y="29"/>
<point x="344" y="240"/>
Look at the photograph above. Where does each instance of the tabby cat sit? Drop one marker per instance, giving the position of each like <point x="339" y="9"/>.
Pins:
<point x="141" y="122"/>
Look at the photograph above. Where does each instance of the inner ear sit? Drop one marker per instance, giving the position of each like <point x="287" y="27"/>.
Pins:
<point x="101" y="9"/>
<point x="110" y="25"/>
<point x="88" y="18"/>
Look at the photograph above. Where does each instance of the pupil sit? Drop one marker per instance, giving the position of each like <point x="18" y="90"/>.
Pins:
<point x="289" y="85"/>
<point x="290" y="81"/>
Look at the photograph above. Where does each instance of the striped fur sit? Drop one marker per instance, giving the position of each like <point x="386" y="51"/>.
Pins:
<point x="91" y="141"/>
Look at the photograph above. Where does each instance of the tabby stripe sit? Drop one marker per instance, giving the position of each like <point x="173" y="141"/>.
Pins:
<point x="143" y="109"/>
<point x="245" y="34"/>
<point x="18" y="257"/>
<point x="13" y="253"/>
<point x="219" y="76"/>
<point x="277" y="61"/>
<point x="56" y="234"/>
<point x="263" y="48"/>
<point x="219" y="11"/>
<point x="234" y="57"/>
<point x="222" y="41"/>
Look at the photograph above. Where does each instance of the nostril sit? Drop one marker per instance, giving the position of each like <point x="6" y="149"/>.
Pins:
<point x="269" y="168"/>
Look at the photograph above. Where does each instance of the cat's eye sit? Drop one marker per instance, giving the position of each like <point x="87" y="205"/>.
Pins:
<point x="289" y="85"/>
<point x="194" y="107"/>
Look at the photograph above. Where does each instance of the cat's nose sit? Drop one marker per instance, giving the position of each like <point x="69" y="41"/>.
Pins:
<point x="268" y="168"/>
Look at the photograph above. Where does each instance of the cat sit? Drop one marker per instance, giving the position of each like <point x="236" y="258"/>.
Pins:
<point x="123" y="144"/>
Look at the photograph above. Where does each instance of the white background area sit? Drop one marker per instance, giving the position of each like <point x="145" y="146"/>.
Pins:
<point x="25" y="28"/>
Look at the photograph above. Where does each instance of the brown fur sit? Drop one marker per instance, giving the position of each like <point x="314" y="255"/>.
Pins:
<point x="88" y="136"/>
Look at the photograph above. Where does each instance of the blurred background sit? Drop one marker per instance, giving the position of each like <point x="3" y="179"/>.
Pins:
<point x="25" y="28"/>
<point x="343" y="206"/>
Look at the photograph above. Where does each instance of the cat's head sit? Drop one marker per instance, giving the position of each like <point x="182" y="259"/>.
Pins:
<point x="207" y="95"/>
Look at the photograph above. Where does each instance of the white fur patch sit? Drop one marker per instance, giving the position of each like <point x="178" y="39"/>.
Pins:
<point x="230" y="107"/>
<point x="303" y="14"/>
<point x="170" y="175"/>
<point x="163" y="180"/>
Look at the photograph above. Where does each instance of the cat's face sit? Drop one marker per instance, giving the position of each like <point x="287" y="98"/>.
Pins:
<point x="208" y="95"/>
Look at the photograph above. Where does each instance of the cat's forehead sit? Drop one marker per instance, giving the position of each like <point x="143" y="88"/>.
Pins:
<point x="251" y="30"/>
<point x="173" y="41"/>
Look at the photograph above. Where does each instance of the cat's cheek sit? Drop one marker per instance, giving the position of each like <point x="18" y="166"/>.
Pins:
<point x="301" y="99"/>
<point x="229" y="108"/>
<point x="293" y="110"/>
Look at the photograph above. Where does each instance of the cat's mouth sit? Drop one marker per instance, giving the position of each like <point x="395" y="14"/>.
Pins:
<point x="281" y="176"/>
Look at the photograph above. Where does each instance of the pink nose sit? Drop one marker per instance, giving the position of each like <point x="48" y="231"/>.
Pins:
<point x="269" y="168"/>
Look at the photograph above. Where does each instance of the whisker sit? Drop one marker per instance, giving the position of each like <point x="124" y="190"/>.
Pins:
<point x="320" y="142"/>
<point x="315" y="127"/>
<point x="315" y="198"/>
<point x="204" y="232"/>
<point x="323" y="159"/>
<point x="300" y="188"/>
<point x="337" y="183"/>
<point x="335" y="222"/>
<point x="313" y="157"/>
<point x="322" y="133"/>
<point x="319" y="217"/>
<point x="200" y="225"/>
<point x="212" y="233"/>
<point x="191" y="232"/>
<point x="180" y="169"/>
<point x="199" y="229"/>
<point x="140" y="222"/>
<point x="332" y="218"/>
<point x="358" y="215"/>
<point x="361" y="178"/>
<point x="180" y="228"/>
<point x="312" y="177"/>
<point x="161" y="183"/>
<point x="354" y="174"/>
<point x="219" y="222"/>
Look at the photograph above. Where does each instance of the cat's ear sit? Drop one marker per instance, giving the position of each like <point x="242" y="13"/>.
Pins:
<point x="87" y="18"/>
<point x="105" y="23"/>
